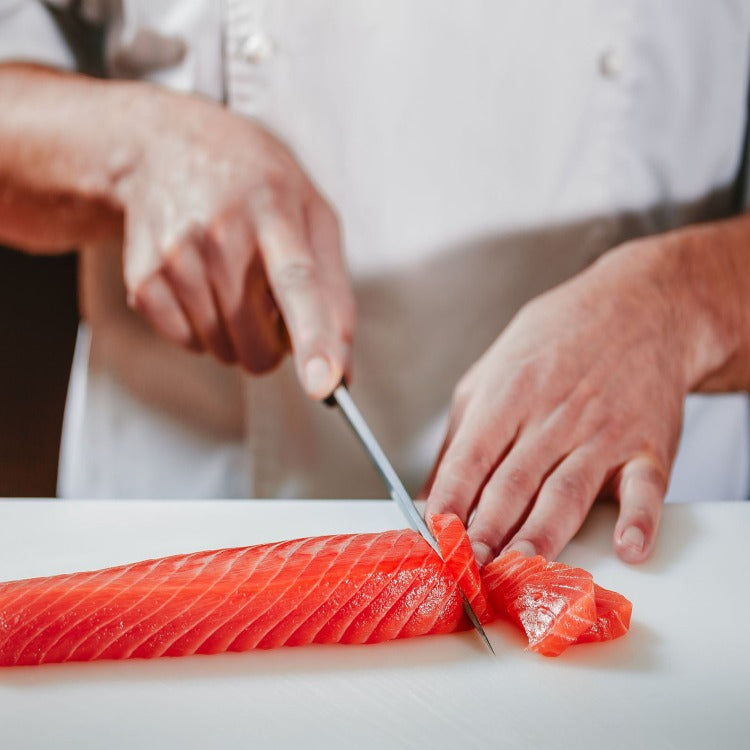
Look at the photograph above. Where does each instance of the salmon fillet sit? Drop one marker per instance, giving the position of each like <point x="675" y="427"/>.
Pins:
<point x="360" y="588"/>
<point x="350" y="588"/>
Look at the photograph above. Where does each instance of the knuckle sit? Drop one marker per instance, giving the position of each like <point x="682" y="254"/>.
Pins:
<point x="476" y="459"/>
<point x="271" y="196"/>
<point x="462" y="391"/>
<point x="615" y="426"/>
<point x="295" y="273"/>
<point x="516" y="482"/>
<point x="649" y="472"/>
<point x="524" y="380"/>
<point x="460" y="475"/>
<point x="583" y="405"/>
<point x="180" y="274"/>
<point x="274" y="183"/>
<point x="653" y="474"/>
<point x="280" y="179"/>
<point x="572" y="488"/>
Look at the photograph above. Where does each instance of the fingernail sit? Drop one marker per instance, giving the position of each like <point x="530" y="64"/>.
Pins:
<point x="482" y="553"/>
<point x="632" y="539"/>
<point x="523" y="546"/>
<point x="318" y="377"/>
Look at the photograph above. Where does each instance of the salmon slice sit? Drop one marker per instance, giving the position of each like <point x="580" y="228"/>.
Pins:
<point x="357" y="588"/>
<point x="459" y="557"/>
<point x="552" y="602"/>
<point x="613" y="612"/>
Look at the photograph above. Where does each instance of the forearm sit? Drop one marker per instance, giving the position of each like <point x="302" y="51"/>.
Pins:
<point x="64" y="146"/>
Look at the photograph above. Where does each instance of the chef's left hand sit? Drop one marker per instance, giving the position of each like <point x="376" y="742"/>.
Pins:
<point x="581" y="394"/>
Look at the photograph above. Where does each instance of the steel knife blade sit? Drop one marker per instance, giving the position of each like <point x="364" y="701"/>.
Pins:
<point x="343" y="400"/>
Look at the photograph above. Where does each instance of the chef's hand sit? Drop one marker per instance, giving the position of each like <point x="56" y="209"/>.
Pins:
<point x="581" y="394"/>
<point x="229" y="246"/>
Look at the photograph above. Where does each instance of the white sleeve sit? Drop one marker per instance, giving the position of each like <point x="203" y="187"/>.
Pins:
<point x="28" y="34"/>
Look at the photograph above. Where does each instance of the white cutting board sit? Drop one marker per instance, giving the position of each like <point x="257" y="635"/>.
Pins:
<point x="679" y="679"/>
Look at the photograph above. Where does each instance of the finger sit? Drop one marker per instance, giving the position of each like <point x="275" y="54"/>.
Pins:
<point x="462" y="394"/>
<point x="325" y="237"/>
<point x="641" y="488"/>
<point x="155" y="300"/>
<point x="480" y="441"/>
<point x="435" y="504"/>
<point x="564" y="500"/>
<point x="508" y="495"/>
<point x="186" y="274"/>
<point x="140" y="259"/>
<point x="295" y="280"/>
<point x="252" y="320"/>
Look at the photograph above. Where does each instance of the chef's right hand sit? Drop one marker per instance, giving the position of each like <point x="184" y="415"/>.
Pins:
<point x="229" y="247"/>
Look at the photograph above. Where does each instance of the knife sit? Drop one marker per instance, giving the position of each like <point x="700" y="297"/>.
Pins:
<point x="343" y="399"/>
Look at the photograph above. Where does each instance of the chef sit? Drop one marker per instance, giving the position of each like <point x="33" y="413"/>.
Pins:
<point x="527" y="202"/>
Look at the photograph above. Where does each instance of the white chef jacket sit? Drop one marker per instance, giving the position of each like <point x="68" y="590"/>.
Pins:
<point x="477" y="153"/>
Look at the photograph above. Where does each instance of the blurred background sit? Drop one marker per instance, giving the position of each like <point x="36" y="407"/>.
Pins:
<point x="38" y="319"/>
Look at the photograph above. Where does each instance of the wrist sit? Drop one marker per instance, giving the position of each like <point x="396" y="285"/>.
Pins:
<point x="127" y="131"/>
<point x="716" y="256"/>
<point x="685" y="283"/>
<point x="698" y="284"/>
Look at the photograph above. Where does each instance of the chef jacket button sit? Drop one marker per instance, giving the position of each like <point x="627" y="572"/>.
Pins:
<point x="611" y="63"/>
<point x="256" y="48"/>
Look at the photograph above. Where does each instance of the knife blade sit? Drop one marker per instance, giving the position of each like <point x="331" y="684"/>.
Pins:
<point x="344" y="401"/>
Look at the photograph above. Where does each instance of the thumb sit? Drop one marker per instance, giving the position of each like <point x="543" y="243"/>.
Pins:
<point x="641" y="489"/>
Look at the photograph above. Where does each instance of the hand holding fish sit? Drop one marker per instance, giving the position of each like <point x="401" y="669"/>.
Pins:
<point x="582" y="394"/>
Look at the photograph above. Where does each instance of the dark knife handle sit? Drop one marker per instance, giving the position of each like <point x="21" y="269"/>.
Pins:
<point x="331" y="400"/>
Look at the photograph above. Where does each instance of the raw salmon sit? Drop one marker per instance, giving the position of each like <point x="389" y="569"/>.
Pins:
<point x="354" y="588"/>
<point x="459" y="558"/>
<point x="361" y="588"/>
<point x="613" y="612"/>
<point x="552" y="602"/>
